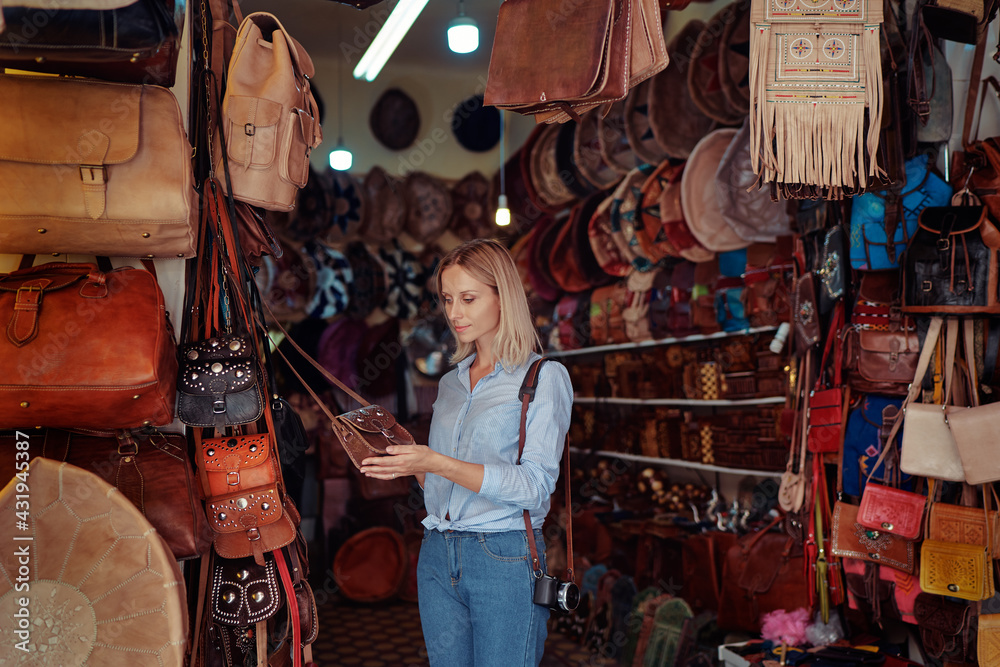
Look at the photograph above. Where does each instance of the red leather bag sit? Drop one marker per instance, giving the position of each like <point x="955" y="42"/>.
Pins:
<point x="85" y="349"/>
<point x="892" y="510"/>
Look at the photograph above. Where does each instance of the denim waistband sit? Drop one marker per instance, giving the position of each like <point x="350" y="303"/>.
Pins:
<point x="477" y="533"/>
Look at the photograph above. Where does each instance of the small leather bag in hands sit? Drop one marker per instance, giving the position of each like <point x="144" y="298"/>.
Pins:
<point x="85" y="348"/>
<point x="270" y="121"/>
<point x="94" y="168"/>
<point x="364" y="432"/>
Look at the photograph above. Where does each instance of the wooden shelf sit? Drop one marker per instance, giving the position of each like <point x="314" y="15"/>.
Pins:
<point x="653" y="343"/>
<point x="676" y="463"/>
<point x="680" y="402"/>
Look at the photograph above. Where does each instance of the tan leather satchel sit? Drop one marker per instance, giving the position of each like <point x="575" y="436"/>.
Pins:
<point x="94" y="168"/>
<point x="585" y="47"/>
<point x="270" y="119"/>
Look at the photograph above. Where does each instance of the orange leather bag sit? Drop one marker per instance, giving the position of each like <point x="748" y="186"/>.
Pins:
<point x="85" y="348"/>
<point x="270" y="119"/>
<point x="94" y="168"/>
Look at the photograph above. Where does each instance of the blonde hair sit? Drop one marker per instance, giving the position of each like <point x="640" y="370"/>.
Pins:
<point x="489" y="262"/>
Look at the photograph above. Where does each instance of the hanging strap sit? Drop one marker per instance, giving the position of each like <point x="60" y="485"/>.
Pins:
<point x="293" y="607"/>
<point x="933" y="332"/>
<point x="836" y="322"/>
<point x="527" y="395"/>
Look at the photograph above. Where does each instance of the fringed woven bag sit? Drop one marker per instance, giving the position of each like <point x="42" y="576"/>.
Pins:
<point x="815" y="68"/>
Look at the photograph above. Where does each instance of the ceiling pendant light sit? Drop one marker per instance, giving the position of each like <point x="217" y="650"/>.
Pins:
<point x="463" y="32"/>
<point x="503" y="212"/>
<point x="341" y="158"/>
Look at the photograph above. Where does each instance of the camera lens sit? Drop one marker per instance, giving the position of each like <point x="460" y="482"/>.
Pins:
<point x="569" y="596"/>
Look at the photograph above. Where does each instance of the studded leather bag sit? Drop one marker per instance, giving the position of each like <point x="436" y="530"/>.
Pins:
<point x="237" y="462"/>
<point x="244" y="592"/>
<point x="218" y="383"/>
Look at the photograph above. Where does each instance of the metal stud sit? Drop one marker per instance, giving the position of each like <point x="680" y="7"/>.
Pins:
<point x="886" y="525"/>
<point x="231" y="442"/>
<point x="135" y="397"/>
<point x="194" y="376"/>
<point x="265" y="506"/>
<point x="258" y="597"/>
<point x="239" y="374"/>
<point x="145" y="235"/>
<point x="192" y="354"/>
<point x="25" y="404"/>
<point x="222" y="516"/>
<point x="210" y="452"/>
<point x="39" y="59"/>
<point x="253" y="448"/>
<point x="953" y="588"/>
<point x="134" y="58"/>
<point x="216" y="367"/>
<point x="229" y="597"/>
<point x="235" y="345"/>
<point x="41" y="230"/>
<point x="242" y="503"/>
<point x="214" y="342"/>
<point x="242" y="574"/>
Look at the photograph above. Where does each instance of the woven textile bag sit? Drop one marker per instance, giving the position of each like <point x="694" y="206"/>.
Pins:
<point x="814" y="72"/>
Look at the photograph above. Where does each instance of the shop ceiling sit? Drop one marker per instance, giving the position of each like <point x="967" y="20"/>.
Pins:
<point x="330" y="30"/>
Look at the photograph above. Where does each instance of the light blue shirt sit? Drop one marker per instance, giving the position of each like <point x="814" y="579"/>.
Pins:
<point x="482" y="426"/>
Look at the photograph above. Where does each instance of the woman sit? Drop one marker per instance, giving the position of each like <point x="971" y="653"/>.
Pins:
<point x="475" y="580"/>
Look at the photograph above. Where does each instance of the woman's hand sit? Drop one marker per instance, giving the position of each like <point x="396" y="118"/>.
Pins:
<point x="402" y="460"/>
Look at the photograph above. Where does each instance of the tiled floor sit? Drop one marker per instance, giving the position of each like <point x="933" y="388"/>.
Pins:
<point x="388" y="635"/>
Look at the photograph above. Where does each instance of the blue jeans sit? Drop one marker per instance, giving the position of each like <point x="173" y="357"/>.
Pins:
<point x="475" y="592"/>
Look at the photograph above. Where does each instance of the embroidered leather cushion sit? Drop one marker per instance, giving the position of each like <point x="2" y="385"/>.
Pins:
<point x="472" y="208"/>
<point x="751" y="215"/>
<point x="637" y="126"/>
<point x="700" y="194"/>
<point x="333" y="275"/>
<point x="102" y="585"/>
<point x="587" y="154"/>
<point x="703" y="75"/>
<point x="428" y="204"/>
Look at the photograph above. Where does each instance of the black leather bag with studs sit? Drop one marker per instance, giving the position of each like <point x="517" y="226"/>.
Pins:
<point x="219" y="383"/>
<point x="243" y="592"/>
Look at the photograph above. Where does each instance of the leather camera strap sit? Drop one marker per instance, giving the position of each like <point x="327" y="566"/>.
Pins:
<point x="527" y="394"/>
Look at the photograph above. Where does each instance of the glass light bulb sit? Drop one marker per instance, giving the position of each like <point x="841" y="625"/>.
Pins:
<point x="503" y="213"/>
<point x="463" y="35"/>
<point x="341" y="159"/>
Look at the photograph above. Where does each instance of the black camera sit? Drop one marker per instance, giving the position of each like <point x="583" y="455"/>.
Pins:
<point x="555" y="594"/>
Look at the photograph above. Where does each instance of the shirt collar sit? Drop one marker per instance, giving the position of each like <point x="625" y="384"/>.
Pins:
<point x="463" y="369"/>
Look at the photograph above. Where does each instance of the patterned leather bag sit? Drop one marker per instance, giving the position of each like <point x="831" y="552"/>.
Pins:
<point x="948" y="629"/>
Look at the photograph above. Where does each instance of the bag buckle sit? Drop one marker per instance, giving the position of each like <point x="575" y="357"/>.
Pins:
<point x="233" y="478"/>
<point x="253" y="534"/>
<point x="926" y="286"/>
<point x="219" y="406"/>
<point x="943" y="244"/>
<point x="249" y="129"/>
<point x="89" y="174"/>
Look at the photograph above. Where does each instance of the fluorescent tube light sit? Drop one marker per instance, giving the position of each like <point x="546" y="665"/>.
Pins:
<point x="388" y="38"/>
